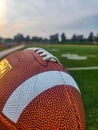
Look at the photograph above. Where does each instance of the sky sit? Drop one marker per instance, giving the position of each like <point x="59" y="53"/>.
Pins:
<point x="46" y="17"/>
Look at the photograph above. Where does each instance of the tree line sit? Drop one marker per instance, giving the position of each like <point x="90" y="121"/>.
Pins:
<point x="55" y="38"/>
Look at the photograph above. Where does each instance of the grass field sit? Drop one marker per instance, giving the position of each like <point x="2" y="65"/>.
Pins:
<point x="86" y="79"/>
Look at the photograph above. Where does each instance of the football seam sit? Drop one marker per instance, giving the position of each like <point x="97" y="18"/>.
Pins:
<point x="70" y="97"/>
<point x="71" y="100"/>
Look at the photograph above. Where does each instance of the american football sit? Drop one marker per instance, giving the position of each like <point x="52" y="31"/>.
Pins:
<point x="38" y="93"/>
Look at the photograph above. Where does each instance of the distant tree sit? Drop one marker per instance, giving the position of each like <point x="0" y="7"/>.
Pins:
<point x="46" y="40"/>
<point x="63" y="37"/>
<point x="19" y="38"/>
<point x="0" y="40"/>
<point x="40" y="39"/>
<point x="54" y="38"/>
<point x="74" y="38"/>
<point x="37" y="39"/>
<point x="27" y="39"/>
<point x="80" y="38"/>
<point x="34" y="39"/>
<point x="97" y="38"/>
<point x="91" y="37"/>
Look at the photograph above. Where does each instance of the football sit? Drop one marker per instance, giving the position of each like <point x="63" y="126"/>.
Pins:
<point x="38" y="93"/>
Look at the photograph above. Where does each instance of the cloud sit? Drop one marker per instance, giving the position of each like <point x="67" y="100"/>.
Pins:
<point x="44" y="17"/>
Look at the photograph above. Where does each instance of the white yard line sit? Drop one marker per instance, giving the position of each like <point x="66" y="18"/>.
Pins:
<point x="6" y="52"/>
<point x="84" y="68"/>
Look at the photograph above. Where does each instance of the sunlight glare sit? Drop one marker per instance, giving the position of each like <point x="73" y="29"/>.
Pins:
<point x="2" y="8"/>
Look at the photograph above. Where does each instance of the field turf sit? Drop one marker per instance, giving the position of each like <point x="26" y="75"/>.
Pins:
<point x="86" y="79"/>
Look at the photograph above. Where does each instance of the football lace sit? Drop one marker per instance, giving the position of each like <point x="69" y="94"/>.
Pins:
<point x="45" y="54"/>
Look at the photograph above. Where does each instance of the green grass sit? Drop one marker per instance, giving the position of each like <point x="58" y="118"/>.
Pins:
<point x="90" y="51"/>
<point x="88" y="83"/>
<point x="86" y="79"/>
